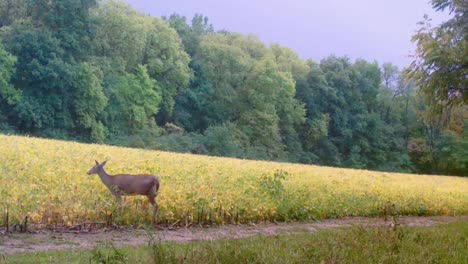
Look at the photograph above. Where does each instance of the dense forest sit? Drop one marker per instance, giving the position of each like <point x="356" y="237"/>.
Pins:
<point x="102" y="72"/>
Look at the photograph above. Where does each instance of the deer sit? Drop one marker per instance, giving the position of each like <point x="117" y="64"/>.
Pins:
<point x="127" y="184"/>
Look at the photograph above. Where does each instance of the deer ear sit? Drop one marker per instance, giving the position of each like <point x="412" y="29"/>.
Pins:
<point x="104" y="163"/>
<point x="97" y="163"/>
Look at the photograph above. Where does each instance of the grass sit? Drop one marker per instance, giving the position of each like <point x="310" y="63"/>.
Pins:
<point x="436" y="244"/>
<point x="46" y="181"/>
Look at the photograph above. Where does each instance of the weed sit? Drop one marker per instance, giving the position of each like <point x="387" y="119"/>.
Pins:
<point x="273" y="185"/>
<point x="159" y="253"/>
<point x="108" y="256"/>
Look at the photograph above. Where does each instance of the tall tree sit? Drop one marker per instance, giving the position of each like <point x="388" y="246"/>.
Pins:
<point x="168" y="64"/>
<point x="190" y="34"/>
<point x="121" y="34"/>
<point x="290" y="110"/>
<point x="69" y="21"/>
<point x="133" y="39"/>
<point x="13" y="10"/>
<point x="312" y="92"/>
<point x="134" y="101"/>
<point x="44" y="79"/>
<point x="191" y="104"/>
<point x="344" y="126"/>
<point x="8" y="93"/>
<point x="51" y="47"/>
<point x="390" y="76"/>
<point x="259" y="98"/>
<point x="90" y="101"/>
<point x="226" y="67"/>
<point x="441" y="60"/>
<point x="289" y="61"/>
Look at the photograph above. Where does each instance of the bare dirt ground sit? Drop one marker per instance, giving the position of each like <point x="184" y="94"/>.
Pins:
<point x="44" y="240"/>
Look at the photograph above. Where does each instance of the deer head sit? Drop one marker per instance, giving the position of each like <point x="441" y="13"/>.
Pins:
<point x="96" y="168"/>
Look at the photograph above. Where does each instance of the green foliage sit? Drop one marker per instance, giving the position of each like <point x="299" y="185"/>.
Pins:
<point x="110" y="255"/>
<point x="441" y="59"/>
<point x="439" y="151"/>
<point x="259" y="115"/>
<point x="122" y="33"/>
<point x="188" y="143"/>
<point x="289" y="61"/>
<point x="135" y="39"/>
<point x="44" y="78"/>
<point x="452" y="154"/>
<point x="69" y="21"/>
<point x="190" y="34"/>
<point x="90" y="101"/>
<point x="224" y="140"/>
<point x="134" y="102"/>
<point x="167" y="64"/>
<point x="12" y="11"/>
<point x="8" y="92"/>
<point x="225" y="66"/>
<point x="193" y="105"/>
<point x="273" y="185"/>
<point x="343" y="127"/>
<point x="316" y="129"/>
<point x="98" y="132"/>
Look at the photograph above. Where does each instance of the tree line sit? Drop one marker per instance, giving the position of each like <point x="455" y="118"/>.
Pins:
<point x="102" y="72"/>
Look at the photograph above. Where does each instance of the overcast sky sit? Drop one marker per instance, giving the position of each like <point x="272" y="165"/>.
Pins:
<point x="371" y="29"/>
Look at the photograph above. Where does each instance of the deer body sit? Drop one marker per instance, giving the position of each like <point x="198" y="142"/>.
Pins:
<point x="127" y="184"/>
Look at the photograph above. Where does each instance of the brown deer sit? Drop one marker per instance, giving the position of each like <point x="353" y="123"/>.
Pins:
<point x="127" y="184"/>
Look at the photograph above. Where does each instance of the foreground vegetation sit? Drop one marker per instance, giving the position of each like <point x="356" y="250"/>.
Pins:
<point x="437" y="244"/>
<point x="46" y="181"/>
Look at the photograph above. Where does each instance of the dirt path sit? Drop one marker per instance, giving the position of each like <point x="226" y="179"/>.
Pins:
<point x="48" y="240"/>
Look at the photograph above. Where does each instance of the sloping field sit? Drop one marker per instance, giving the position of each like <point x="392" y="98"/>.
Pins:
<point x="47" y="181"/>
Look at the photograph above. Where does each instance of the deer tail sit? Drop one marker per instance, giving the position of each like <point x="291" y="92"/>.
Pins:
<point x="156" y="184"/>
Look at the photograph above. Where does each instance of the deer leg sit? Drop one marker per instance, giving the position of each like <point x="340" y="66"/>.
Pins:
<point x="155" y="207"/>
<point x="118" y="197"/>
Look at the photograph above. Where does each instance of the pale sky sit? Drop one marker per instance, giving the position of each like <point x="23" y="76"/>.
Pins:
<point x="369" y="29"/>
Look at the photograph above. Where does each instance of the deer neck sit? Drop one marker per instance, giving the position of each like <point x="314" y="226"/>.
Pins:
<point x="105" y="178"/>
